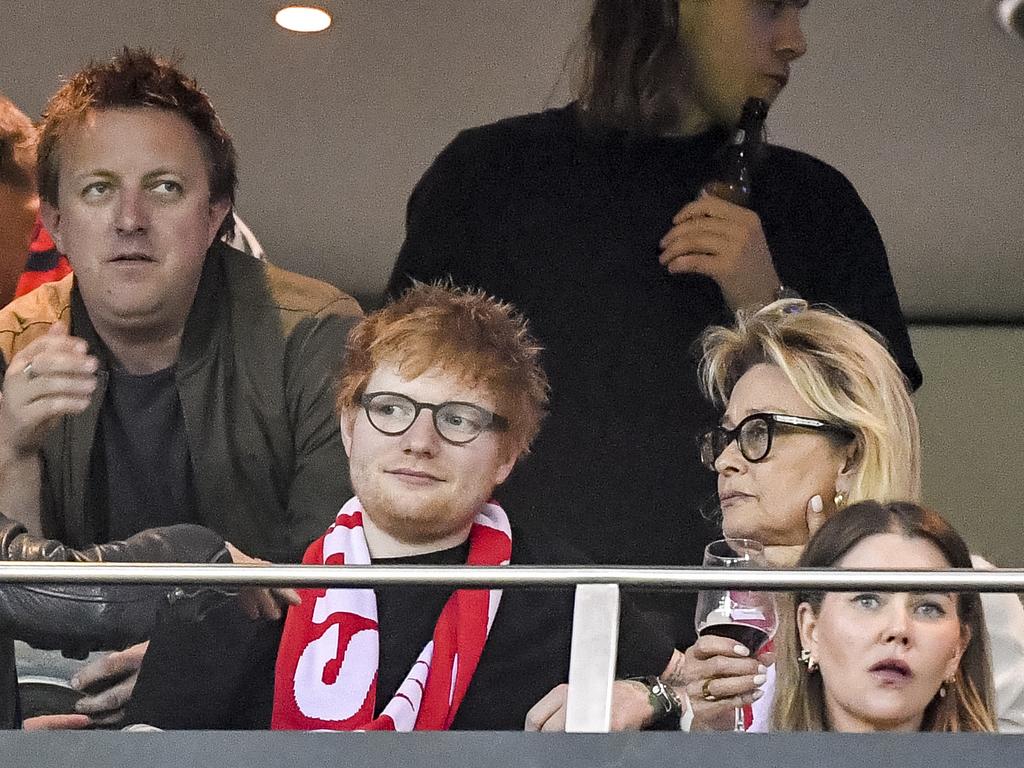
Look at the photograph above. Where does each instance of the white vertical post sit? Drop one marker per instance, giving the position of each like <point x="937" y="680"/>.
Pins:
<point x="595" y="639"/>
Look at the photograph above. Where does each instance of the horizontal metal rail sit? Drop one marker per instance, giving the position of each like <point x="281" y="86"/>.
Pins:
<point x="480" y="577"/>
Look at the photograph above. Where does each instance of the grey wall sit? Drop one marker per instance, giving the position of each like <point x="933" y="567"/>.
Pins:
<point x="972" y="429"/>
<point x="917" y="101"/>
<point x="104" y="749"/>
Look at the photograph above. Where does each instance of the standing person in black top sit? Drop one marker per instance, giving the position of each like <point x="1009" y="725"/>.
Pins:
<point x="440" y="394"/>
<point x="590" y="218"/>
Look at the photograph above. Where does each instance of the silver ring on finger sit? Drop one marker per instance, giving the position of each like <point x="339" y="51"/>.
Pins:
<point x="29" y="373"/>
<point x="705" y="690"/>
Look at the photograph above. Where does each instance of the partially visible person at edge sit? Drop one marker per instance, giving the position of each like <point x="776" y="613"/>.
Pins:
<point x="170" y="378"/>
<point x="440" y="394"/>
<point x="866" y="661"/>
<point x="817" y="416"/>
<point x="83" y="618"/>
<point x="19" y="203"/>
<point x="590" y="218"/>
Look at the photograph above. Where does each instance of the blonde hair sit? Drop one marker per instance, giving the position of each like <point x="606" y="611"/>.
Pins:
<point x="842" y="370"/>
<point x="799" y="703"/>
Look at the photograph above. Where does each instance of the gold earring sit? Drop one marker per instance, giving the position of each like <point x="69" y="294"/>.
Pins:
<point x="839" y="499"/>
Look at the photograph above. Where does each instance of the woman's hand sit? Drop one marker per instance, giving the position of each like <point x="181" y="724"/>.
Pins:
<point x="720" y="676"/>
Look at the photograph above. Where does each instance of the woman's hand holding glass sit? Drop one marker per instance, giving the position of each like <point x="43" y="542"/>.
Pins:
<point x="732" y="626"/>
<point x="732" y="676"/>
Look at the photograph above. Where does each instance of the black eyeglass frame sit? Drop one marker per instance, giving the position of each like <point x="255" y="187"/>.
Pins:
<point x="488" y="419"/>
<point x="771" y="420"/>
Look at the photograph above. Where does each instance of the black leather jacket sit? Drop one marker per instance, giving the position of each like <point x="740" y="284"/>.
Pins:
<point x="87" y="617"/>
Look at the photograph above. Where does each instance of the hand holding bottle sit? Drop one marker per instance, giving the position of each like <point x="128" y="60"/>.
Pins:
<point x="717" y="235"/>
<point x="725" y="242"/>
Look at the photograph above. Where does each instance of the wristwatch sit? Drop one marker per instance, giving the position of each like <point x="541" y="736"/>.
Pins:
<point x="661" y="697"/>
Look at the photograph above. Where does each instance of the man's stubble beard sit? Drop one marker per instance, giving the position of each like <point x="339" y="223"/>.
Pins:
<point x="410" y="527"/>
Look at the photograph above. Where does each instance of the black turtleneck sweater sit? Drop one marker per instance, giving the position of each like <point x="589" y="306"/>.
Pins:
<point x="564" y="221"/>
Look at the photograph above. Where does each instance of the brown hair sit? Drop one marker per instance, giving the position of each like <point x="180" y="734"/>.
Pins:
<point x="17" y="147"/>
<point x="137" y="78"/>
<point x="800" y="698"/>
<point x="463" y="332"/>
<point x="632" y="69"/>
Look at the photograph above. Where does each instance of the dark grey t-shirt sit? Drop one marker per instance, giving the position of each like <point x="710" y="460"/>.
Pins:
<point x="141" y="460"/>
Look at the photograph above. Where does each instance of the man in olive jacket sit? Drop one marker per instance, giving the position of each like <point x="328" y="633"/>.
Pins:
<point x="170" y="379"/>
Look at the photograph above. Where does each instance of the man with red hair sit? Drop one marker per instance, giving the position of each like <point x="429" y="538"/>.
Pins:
<point x="440" y="394"/>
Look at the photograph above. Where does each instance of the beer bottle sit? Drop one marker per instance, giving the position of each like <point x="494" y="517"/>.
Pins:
<point x="736" y="162"/>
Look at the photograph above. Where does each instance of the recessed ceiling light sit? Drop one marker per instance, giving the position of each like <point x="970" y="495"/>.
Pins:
<point x="303" y="18"/>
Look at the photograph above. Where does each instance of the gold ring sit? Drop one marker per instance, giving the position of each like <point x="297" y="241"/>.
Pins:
<point x="705" y="690"/>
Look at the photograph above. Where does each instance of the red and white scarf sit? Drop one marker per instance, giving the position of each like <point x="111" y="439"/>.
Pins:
<point x="326" y="676"/>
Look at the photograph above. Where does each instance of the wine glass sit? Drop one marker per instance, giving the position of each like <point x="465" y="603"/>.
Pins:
<point x="749" y="618"/>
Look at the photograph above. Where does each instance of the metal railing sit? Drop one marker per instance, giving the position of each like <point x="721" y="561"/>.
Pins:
<point x="596" y="610"/>
<point x="483" y="577"/>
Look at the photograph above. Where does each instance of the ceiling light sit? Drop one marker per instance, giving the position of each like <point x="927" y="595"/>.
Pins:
<point x="303" y="18"/>
<point x="1011" y="16"/>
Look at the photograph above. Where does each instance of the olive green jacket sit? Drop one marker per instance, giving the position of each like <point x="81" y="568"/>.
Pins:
<point x="255" y="376"/>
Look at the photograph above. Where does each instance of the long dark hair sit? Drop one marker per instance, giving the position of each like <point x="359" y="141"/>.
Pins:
<point x="800" y="701"/>
<point x="631" y="68"/>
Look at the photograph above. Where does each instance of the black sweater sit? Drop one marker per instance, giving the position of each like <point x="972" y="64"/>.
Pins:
<point x="219" y="673"/>
<point x="564" y="222"/>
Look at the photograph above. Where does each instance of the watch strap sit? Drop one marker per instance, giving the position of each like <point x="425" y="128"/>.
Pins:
<point x="661" y="696"/>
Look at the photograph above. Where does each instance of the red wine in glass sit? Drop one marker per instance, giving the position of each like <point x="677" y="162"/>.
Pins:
<point x="746" y="617"/>
<point x="753" y="638"/>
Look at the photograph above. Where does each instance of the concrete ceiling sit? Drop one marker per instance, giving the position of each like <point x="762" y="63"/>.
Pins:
<point x="919" y="102"/>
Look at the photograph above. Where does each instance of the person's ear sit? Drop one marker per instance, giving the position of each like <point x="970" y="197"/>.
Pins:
<point x="849" y="468"/>
<point x="503" y="470"/>
<point x="50" y="215"/>
<point x="954" y="663"/>
<point x="348" y="425"/>
<point x="219" y="210"/>
<point x="807" y="628"/>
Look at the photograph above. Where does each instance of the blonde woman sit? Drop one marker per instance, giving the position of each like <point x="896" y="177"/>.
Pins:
<point x="817" y="415"/>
